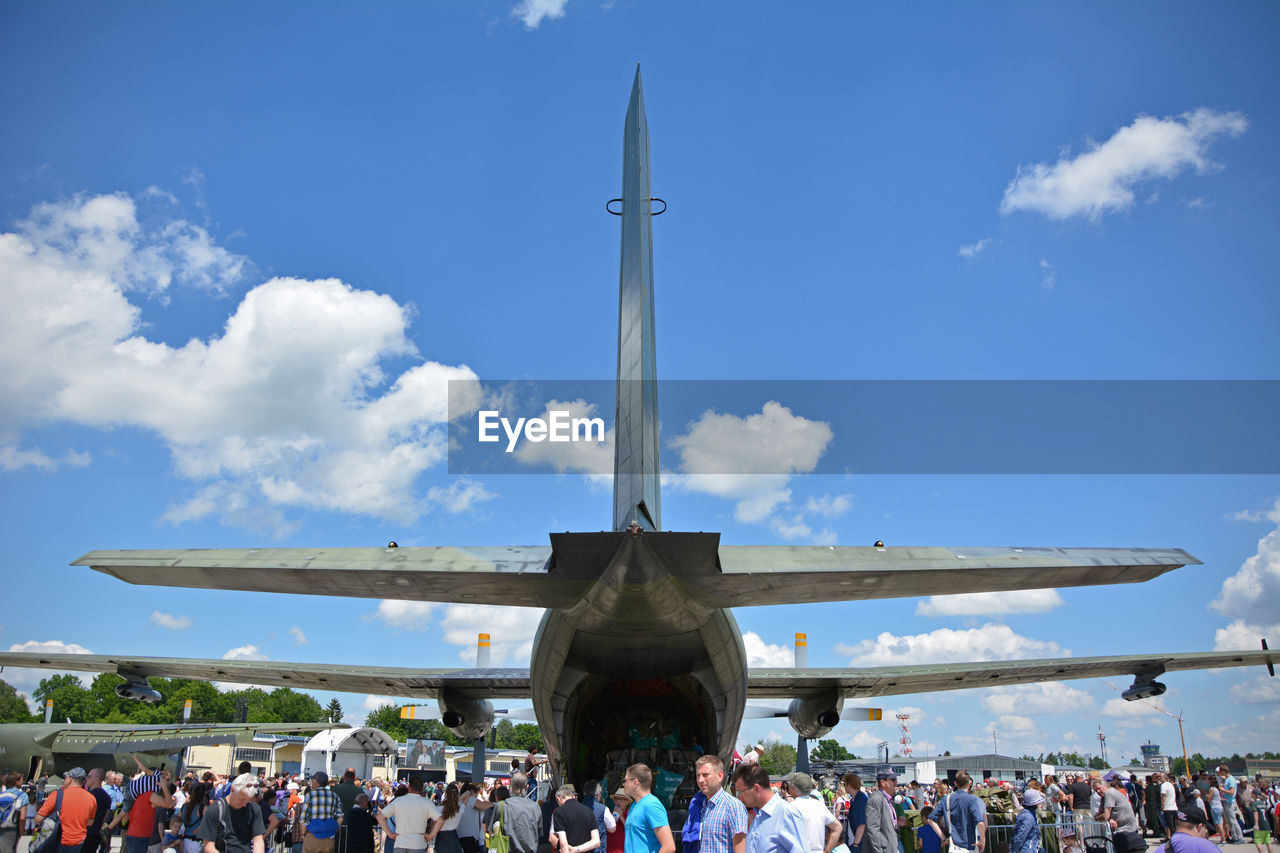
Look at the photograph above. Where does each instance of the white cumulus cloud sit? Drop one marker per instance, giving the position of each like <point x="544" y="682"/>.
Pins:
<point x="1104" y="177"/>
<point x="973" y="250"/>
<point x="289" y="406"/>
<point x="534" y="12"/>
<point x="1139" y="709"/>
<point x="406" y="615"/>
<point x="510" y="631"/>
<point x="1260" y="690"/>
<point x="1251" y="597"/>
<point x="27" y="680"/>
<point x="298" y="637"/>
<point x="760" y="653"/>
<point x="990" y="603"/>
<point x="169" y="621"/>
<point x="245" y="652"/>
<point x="991" y="641"/>
<point x="594" y="458"/>
<point x="751" y="460"/>
<point x="1050" y="697"/>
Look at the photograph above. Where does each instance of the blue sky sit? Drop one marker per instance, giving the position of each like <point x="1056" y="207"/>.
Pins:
<point x="245" y="245"/>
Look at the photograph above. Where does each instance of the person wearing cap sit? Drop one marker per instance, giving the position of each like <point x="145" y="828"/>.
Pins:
<point x="821" y="827"/>
<point x="76" y="812"/>
<point x="321" y="816"/>
<point x="616" y="839"/>
<point x="234" y="823"/>
<point x="1026" y="826"/>
<point x="1191" y="830"/>
<point x="882" y="819"/>
<point x="574" y="823"/>
<point x="753" y="754"/>
<point x="963" y="816"/>
<point x="724" y="819"/>
<point x="777" y="826"/>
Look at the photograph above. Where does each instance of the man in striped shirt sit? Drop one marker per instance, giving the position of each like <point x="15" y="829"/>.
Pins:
<point x="724" y="818"/>
<point x="321" y="816"/>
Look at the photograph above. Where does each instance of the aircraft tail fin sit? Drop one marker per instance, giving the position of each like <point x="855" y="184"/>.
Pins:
<point x="636" y="483"/>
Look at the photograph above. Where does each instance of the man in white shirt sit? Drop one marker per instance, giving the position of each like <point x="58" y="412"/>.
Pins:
<point x="1168" y="805"/>
<point x="412" y="813"/>
<point x="821" y="827"/>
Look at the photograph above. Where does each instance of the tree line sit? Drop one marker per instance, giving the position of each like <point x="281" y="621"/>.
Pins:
<point x="98" y="703"/>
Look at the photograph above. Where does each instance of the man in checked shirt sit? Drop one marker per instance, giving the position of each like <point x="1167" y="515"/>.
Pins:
<point x="724" y="818"/>
<point x="321" y="815"/>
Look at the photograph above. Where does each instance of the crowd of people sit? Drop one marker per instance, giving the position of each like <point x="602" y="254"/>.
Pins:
<point x="751" y="813"/>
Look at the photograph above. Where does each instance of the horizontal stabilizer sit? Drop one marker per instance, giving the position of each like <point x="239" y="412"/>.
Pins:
<point x="768" y="574"/>
<point x="512" y="575"/>
<point x="770" y="683"/>
<point x="351" y="678"/>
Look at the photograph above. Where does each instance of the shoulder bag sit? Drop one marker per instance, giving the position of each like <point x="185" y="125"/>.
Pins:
<point x="49" y="837"/>
<point x="498" y="841"/>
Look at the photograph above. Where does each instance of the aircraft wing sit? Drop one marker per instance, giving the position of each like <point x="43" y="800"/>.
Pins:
<point x="766" y="574"/>
<point x="344" y="678"/>
<point x="764" y="683"/>
<point x="512" y="575"/>
<point x="164" y="740"/>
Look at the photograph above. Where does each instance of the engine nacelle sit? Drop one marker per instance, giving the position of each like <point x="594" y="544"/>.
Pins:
<point x="140" y="690"/>
<point x="816" y="714"/>
<point x="465" y="716"/>
<point x="1143" y="689"/>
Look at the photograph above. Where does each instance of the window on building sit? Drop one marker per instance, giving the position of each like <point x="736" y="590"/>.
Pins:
<point x="248" y="753"/>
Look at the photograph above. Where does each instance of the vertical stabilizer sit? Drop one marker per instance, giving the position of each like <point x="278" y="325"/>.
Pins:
<point x="635" y="463"/>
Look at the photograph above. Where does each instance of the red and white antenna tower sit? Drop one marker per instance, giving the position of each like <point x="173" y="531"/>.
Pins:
<point x="904" y="723"/>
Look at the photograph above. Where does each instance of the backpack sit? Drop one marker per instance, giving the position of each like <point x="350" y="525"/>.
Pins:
<point x="8" y="812"/>
<point x="49" y="838"/>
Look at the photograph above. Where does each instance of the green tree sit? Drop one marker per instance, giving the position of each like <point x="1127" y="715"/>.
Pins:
<point x="830" y="750"/>
<point x="387" y="718"/>
<point x="13" y="708"/>
<point x="778" y="757"/>
<point x="1133" y="762"/>
<point x="527" y="736"/>
<point x="1096" y="763"/>
<point x="334" y="710"/>
<point x="71" y="701"/>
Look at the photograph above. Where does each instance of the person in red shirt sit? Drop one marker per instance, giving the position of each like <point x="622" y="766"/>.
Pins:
<point x="78" y="810"/>
<point x="142" y="816"/>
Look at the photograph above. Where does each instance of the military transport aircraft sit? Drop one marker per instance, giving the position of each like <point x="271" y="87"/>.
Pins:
<point x="34" y="748"/>
<point x="638" y="655"/>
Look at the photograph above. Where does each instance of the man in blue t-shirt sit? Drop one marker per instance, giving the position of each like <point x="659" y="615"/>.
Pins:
<point x="648" y="830"/>
<point x="963" y="816"/>
<point x="855" y="820"/>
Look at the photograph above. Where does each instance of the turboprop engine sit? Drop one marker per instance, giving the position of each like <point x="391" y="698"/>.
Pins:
<point x="814" y="715"/>
<point x="465" y="716"/>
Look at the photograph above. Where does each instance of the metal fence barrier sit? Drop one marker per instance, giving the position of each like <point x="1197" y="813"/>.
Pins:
<point x="1071" y="835"/>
